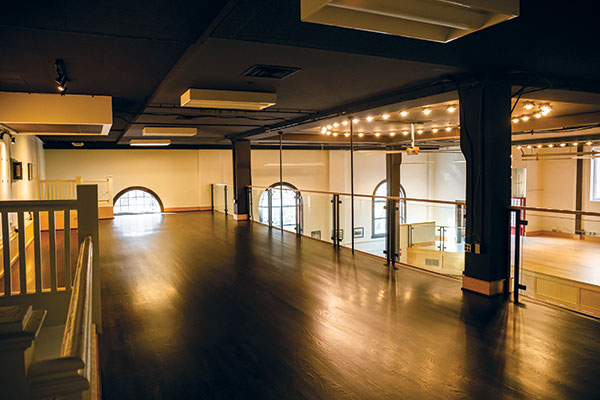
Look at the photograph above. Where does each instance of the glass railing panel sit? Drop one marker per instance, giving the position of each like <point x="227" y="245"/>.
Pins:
<point x="219" y="197"/>
<point x="370" y="228"/>
<point x="432" y="236"/>
<point x="560" y="260"/>
<point x="316" y="216"/>
<point x="260" y="205"/>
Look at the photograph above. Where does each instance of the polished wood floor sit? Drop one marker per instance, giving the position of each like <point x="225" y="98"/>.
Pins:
<point x="198" y="306"/>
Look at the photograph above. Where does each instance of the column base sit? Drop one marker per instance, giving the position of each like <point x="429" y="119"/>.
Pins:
<point x="240" y="217"/>
<point x="485" y="288"/>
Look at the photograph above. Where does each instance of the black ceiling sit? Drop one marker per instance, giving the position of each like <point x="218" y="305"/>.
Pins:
<point x="126" y="49"/>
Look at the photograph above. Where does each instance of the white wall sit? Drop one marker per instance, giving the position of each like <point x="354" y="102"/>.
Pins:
<point x="26" y="149"/>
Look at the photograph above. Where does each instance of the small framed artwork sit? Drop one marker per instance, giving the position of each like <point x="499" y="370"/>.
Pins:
<point x="17" y="170"/>
<point x="359" y="232"/>
<point x="29" y="171"/>
<point x="315" y="234"/>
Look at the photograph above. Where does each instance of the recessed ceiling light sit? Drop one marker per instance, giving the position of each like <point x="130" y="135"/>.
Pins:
<point x="145" y="142"/>
<point x="404" y="113"/>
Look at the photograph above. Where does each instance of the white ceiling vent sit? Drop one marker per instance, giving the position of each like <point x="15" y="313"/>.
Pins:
<point x="434" y="20"/>
<point x="55" y="114"/>
<point x="227" y="99"/>
<point x="168" y="131"/>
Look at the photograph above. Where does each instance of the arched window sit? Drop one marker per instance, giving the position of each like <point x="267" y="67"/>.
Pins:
<point x="137" y="200"/>
<point x="290" y="210"/>
<point x="379" y="212"/>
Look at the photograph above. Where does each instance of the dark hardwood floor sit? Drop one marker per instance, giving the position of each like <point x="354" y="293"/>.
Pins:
<point x="199" y="306"/>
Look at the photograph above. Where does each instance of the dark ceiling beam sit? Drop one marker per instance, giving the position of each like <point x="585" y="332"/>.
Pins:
<point x="558" y="139"/>
<point x="533" y="80"/>
<point x="182" y="60"/>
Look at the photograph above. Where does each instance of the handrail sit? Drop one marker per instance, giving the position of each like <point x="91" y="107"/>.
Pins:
<point x="458" y="203"/>
<point x="37" y="205"/>
<point x="60" y="376"/>
<point x="556" y="210"/>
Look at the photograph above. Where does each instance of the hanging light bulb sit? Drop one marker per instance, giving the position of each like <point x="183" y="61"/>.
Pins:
<point x="347" y="134"/>
<point x="528" y="105"/>
<point x="588" y="143"/>
<point x="323" y="130"/>
<point x="385" y="116"/>
<point x="525" y="118"/>
<point x="335" y="133"/>
<point x="361" y="134"/>
<point x="329" y="127"/>
<point x="546" y="108"/>
<point x="405" y="133"/>
<point x="419" y="131"/>
<point x="550" y="145"/>
<point x="519" y="147"/>
<point x="538" y="115"/>
<point x="328" y="133"/>
<point x="435" y="130"/>
<point x="345" y="123"/>
<point x="529" y="146"/>
<point x="515" y="120"/>
<point x="404" y="113"/>
<point x="575" y="144"/>
<point x="392" y="133"/>
<point x="370" y="119"/>
<point x="451" y="109"/>
<point x="355" y="121"/>
<point x="563" y="144"/>
<point x="427" y="111"/>
<point x="377" y="134"/>
<point x="539" y="146"/>
<point x="448" y="128"/>
<point x="336" y="124"/>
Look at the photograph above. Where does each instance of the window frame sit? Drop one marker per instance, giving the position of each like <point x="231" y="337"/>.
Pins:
<point x="285" y="186"/>
<point x="595" y="176"/>
<point x="379" y="200"/>
<point x="140" y="188"/>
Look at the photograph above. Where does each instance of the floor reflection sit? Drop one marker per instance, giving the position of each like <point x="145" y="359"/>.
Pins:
<point x="136" y="225"/>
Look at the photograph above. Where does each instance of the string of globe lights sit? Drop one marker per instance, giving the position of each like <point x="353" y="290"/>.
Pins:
<point x="338" y="128"/>
<point x="552" y="145"/>
<point x="535" y="110"/>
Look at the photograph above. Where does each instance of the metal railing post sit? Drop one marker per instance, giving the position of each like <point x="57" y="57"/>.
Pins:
<point x="212" y="197"/>
<point x="225" y="195"/>
<point x="334" y="210"/>
<point x="250" y="211"/>
<point x="298" y="232"/>
<point x="517" y="265"/>
<point x="270" y="198"/>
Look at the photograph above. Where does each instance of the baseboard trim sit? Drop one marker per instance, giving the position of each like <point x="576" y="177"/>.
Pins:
<point x="186" y="209"/>
<point x="485" y="288"/>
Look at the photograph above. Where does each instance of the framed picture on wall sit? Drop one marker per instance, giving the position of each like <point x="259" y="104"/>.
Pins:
<point x="359" y="232"/>
<point x="315" y="234"/>
<point x="29" y="171"/>
<point x="17" y="170"/>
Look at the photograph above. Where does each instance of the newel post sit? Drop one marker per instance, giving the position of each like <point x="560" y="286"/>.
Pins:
<point x="87" y="213"/>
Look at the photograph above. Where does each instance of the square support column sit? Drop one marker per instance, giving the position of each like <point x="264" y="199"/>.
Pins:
<point x="485" y="138"/>
<point x="392" y="177"/>
<point x="242" y="178"/>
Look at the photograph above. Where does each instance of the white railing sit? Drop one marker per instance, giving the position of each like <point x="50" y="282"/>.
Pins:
<point x="65" y="189"/>
<point x="74" y="302"/>
<point x="72" y="374"/>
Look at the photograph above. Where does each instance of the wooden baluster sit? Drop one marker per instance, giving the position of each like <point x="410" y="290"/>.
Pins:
<point x="67" y="242"/>
<point x="37" y="250"/>
<point x="22" y="253"/>
<point x="6" y="253"/>
<point x="52" y="234"/>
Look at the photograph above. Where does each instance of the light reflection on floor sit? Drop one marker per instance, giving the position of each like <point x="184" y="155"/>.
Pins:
<point x="137" y="225"/>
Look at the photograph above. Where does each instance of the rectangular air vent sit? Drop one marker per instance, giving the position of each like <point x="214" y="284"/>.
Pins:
<point x="269" y="71"/>
<point x="432" y="262"/>
<point x="227" y="99"/>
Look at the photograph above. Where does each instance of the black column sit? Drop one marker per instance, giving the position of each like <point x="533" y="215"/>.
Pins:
<point x="241" y="178"/>
<point x="485" y="137"/>
<point x="392" y="177"/>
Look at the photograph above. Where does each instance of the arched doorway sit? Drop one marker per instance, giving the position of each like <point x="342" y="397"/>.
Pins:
<point x="379" y="213"/>
<point x="137" y="200"/>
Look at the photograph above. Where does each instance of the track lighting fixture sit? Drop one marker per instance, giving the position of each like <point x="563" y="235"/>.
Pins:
<point x="61" y="76"/>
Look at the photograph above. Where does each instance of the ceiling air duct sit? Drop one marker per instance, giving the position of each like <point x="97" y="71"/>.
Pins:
<point x="434" y="20"/>
<point x="227" y="99"/>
